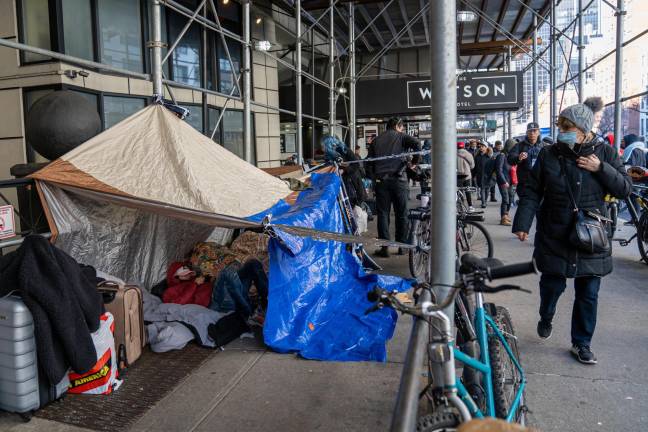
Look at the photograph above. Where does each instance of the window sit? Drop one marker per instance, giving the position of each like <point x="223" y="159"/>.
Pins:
<point x="117" y="108"/>
<point x="195" y="118"/>
<point x="36" y="27"/>
<point x="226" y="75"/>
<point x="77" y="28"/>
<point x="212" y="116"/>
<point x="185" y="59"/>
<point x="233" y="132"/>
<point x="120" y="34"/>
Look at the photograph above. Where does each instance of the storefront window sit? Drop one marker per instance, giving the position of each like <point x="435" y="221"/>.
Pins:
<point x="77" y="28"/>
<point x="118" y="108"/>
<point x="36" y="27"/>
<point x="120" y="34"/>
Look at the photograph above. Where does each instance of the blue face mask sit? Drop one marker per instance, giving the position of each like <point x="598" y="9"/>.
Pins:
<point x="568" y="138"/>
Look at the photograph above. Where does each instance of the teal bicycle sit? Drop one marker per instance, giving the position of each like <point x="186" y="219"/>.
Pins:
<point x="492" y="381"/>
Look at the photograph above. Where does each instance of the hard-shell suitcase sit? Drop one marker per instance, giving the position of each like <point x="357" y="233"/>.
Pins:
<point x="21" y="390"/>
<point x="125" y="304"/>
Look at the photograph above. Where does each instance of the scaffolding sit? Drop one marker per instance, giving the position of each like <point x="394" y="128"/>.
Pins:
<point x="440" y="20"/>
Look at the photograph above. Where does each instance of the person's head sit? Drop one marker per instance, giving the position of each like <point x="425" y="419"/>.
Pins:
<point x="630" y="139"/>
<point x="473" y="143"/>
<point x="576" y="121"/>
<point x="461" y="145"/>
<point x="499" y="146"/>
<point x="482" y="148"/>
<point x="533" y="132"/>
<point x="510" y="143"/>
<point x="396" y="123"/>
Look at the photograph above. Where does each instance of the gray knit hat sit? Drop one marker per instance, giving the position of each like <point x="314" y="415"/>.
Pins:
<point x="582" y="115"/>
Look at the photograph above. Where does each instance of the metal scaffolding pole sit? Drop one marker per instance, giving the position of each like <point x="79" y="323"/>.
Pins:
<point x="509" y="130"/>
<point x="156" y="49"/>
<point x="247" y="96"/>
<point x="554" y="52"/>
<point x="581" y="53"/>
<point x="535" y="70"/>
<point x="298" y="84"/>
<point x="442" y="225"/>
<point x="312" y="71"/>
<point x="352" y="82"/>
<point x="331" y="67"/>
<point x="618" y="73"/>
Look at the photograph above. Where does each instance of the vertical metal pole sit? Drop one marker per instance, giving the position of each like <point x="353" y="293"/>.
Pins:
<point x="331" y="67"/>
<point x="618" y="74"/>
<point x="443" y="225"/>
<point x="298" y="84"/>
<point x="554" y="60"/>
<point x="247" y="112"/>
<point x="156" y="49"/>
<point x="581" y="54"/>
<point x="509" y="123"/>
<point x="312" y="86"/>
<point x="352" y="78"/>
<point x="535" y="69"/>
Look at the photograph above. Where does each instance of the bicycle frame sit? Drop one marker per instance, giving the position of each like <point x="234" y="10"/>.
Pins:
<point x="482" y="323"/>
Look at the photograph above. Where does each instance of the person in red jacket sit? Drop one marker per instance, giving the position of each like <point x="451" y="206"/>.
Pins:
<point x="185" y="287"/>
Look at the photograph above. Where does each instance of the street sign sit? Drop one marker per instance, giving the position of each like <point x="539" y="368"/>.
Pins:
<point x="7" y="226"/>
<point x="476" y="92"/>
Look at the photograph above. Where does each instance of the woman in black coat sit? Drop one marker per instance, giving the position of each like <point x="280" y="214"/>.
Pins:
<point x="592" y="170"/>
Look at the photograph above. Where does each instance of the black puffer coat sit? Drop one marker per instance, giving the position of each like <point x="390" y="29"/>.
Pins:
<point x="546" y="197"/>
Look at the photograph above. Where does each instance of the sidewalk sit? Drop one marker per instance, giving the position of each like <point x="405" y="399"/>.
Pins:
<point x="247" y="388"/>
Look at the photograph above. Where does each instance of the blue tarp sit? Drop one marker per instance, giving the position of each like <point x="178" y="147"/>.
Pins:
<point x="318" y="289"/>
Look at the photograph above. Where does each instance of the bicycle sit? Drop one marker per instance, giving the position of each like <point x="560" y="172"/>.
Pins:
<point x="471" y="237"/>
<point x="493" y="381"/>
<point x="638" y="218"/>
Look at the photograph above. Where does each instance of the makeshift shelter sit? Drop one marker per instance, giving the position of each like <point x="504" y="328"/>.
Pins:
<point x="141" y="194"/>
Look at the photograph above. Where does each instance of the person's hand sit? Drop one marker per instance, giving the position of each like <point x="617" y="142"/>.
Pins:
<point x="523" y="156"/>
<point x="200" y="280"/>
<point x="589" y="163"/>
<point x="522" y="235"/>
<point x="505" y="185"/>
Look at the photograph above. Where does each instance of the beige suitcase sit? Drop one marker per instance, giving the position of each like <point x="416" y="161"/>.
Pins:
<point x="125" y="304"/>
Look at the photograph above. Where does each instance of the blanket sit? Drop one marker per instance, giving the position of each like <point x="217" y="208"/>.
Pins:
<point x="66" y="306"/>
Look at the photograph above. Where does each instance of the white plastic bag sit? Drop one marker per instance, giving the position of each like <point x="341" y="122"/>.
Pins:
<point x="361" y="219"/>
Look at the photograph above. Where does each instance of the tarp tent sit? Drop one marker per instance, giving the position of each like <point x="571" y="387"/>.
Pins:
<point x="140" y="194"/>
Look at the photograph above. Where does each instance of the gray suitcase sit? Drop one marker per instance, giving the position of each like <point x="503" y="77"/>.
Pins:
<point x="20" y="389"/>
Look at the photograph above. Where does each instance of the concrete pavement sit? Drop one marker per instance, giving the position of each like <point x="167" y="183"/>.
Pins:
<point x="247" y="388"/>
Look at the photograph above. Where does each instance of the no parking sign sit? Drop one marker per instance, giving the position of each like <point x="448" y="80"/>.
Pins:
<point x="7" y="226"/>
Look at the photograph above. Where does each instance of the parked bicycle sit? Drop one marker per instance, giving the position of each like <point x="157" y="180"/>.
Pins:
<point x="493" y="382"/>
<point x="472" y="236"/>
<point x="637" y="206"/>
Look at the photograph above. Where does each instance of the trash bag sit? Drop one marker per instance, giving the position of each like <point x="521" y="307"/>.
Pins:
<point x="318" y="289"/>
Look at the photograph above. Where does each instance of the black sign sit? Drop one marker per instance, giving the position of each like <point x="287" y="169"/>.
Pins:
<point x="476" y="92"/>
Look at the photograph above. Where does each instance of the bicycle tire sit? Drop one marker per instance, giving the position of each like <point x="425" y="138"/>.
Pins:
<point x="503" y="369"/>
<point x="469" y="246"/>
<point x="417" y="258"/>
<point x="642" y="236"/>
<point x="442" y="421"/>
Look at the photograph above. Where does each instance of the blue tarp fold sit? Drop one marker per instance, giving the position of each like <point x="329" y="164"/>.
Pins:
<point x="318" y="289"/>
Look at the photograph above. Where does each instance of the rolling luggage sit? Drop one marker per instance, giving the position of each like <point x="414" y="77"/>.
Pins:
<point x="124" y="302"/>
<point x="21" y="390"/>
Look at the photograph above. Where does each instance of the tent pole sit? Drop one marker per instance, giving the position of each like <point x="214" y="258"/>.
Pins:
<point x="247" y="112"/>
<point x="156" y="49"/>
<point x="298" y="84"/>
<point x="352" y="82"/>
<point x="618" y="73"/>
<point x="331" y="68"/>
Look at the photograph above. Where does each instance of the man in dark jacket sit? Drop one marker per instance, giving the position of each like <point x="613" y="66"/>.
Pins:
<point x="591" y="169"/>
<point x="503" y="179"/>
<point x="481" y="178"/>
<point x="390" y="179"/>
<point x="525" y="154"/>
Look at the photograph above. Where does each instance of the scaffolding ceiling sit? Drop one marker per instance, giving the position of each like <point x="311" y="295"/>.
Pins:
<point x="495" y="21"/>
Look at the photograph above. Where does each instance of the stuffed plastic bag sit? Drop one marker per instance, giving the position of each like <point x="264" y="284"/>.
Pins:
<point x="103" y="375"/>
<point x="362" y="219"/>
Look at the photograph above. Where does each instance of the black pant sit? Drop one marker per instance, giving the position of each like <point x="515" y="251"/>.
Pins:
<point x="492" y="192"/>
<point x="508" y="195"/>
<point x="483" y="193"/>
<point x="392" y="191"/>
<point x="252" y="272"/>
<point x="466" y="183"/>
<point x="585" y="304"/>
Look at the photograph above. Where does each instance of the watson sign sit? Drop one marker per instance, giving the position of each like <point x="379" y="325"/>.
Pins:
<point x="476" y="92"/>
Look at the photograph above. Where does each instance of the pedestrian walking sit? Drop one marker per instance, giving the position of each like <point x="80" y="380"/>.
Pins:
<point x="465" y="165"/>
<point x="569" y="182"/>
<point x="481" y="162"/>
<point x="390" y="180"/>
<point x="504" y="183"/>
<point x="525" y="153"/>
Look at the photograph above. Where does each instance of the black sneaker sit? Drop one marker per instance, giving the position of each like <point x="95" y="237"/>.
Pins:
<point x="544" y="329"/>
<point x="583" y="354"/>
<point x="383" y="252"/>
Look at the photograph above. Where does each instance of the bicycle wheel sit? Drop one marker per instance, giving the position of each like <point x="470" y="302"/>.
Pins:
<point x="474" y="238"/>
<point x="642" y="236"/>
<point x="418" y="259"/>
<point x="438" y="422"/>
<point x="506" y="377"/>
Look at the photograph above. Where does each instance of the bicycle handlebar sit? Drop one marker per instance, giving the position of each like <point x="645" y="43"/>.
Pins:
<point x="494" y="268"/>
